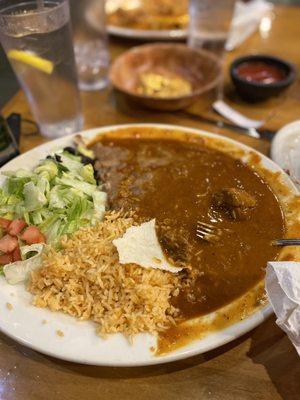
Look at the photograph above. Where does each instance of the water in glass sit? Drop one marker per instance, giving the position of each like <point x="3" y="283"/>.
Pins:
<point x="210" y="22"/>
<point x="38" y="43"/>
<point x="90" y="43"/>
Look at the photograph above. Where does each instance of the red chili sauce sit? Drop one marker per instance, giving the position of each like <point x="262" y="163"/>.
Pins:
<point x="259" y="71"/>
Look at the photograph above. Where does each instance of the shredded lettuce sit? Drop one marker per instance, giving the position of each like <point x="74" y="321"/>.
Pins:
<point x="48" y="170"/>
<point x="99" y="199"/>
<point x="59" y="196"/>
<point x="71" y="181"/>
<point x="87" y="173"/>
<point x="34" y="197"/>
<point x="19" y="271"/>
<point x="86" y="152"/>
<point x="71" y="163"/>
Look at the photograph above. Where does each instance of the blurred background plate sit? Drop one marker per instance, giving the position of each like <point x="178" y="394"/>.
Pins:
<point x="285" y="150"/>
<point x="147" y="20"/>
<point x="175" y="34"/>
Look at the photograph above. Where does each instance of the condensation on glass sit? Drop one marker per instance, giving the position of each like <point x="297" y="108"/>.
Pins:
<point x="38" y="44"/>
<point x="210" y="22"/>
<point x="90" y="43"/>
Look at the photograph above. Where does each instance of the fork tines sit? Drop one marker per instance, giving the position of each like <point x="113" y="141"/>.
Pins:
<point x="207" y="232"/>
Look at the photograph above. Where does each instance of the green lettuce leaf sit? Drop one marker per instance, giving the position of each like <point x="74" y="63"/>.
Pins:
<point x="59" y="196"/>
<point x="19" y="271"/>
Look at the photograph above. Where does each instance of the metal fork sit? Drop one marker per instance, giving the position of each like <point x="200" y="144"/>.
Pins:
<point x="211" y="233"/>
<point x="208" y="232"/>
<point x="286" y="242"/>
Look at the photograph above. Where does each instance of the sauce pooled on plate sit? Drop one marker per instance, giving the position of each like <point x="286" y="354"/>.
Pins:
<point x="182" y="182"/>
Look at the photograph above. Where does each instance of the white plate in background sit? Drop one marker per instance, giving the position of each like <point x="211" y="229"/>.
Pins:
<point x="143" y="34"/>
<point x="285" y="150"/>
<point x="173" y="34"/>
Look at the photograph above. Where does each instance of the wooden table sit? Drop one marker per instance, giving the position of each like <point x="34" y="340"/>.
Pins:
<point x="260" y="365"/>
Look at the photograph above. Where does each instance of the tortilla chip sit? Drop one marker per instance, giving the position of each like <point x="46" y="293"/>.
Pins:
<point x="139" y="245"/>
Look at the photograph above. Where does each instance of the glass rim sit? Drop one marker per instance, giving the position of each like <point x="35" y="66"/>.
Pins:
<point x="57" y="5"/>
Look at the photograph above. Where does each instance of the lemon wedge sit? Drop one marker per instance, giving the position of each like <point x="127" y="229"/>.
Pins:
<point x="32" y="60"/>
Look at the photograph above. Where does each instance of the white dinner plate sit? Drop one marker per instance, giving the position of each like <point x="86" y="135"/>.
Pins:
<point x="149" y="35"/>
<point x="26" y="323"/>
<point x="131" y="33"/>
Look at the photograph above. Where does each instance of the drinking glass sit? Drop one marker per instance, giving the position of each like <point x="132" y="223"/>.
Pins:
<point x="37" y="38"/>
<point x="210" y="22"/>
<point x="90" y="43"/>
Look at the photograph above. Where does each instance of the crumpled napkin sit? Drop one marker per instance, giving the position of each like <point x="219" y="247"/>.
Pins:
<point x="246" y="19"/>
<point x="283" y="291"/>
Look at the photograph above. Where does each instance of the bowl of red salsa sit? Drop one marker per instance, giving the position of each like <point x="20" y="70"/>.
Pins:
<point x="258" y="77"/>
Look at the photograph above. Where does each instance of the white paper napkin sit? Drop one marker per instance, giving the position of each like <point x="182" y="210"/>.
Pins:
<point x="283" y="290"/>
<point x="246" y="19"/>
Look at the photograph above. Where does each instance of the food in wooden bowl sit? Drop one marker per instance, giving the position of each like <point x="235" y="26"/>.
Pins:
<point x="165" y="76"/>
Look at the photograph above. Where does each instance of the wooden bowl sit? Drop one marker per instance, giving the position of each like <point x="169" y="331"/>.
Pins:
<point x="199" y="67"/>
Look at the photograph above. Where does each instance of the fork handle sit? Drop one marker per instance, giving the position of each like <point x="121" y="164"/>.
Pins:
<point x="286" y="242"/>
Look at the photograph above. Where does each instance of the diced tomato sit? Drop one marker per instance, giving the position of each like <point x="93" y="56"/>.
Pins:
<point x="4" y="223"/>
<point x="16" y="255"/>
<point x="6" y="259"/>
<point x="8" y="243"/>
<point x="42" y="239"/>
<point x="32" y="235"/>
<point x="16" y="227"/>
